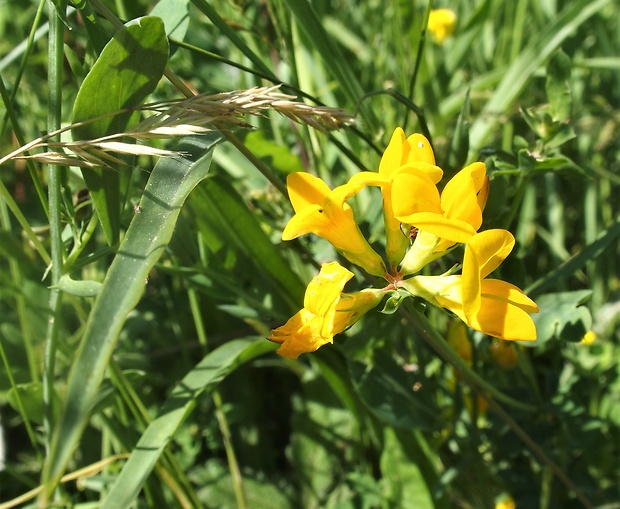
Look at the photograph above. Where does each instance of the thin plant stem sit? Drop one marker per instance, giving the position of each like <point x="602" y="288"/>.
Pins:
<point x="418" y="57"/>
<point x="538" y="452"/>
<point x="55" y="62"/>
<point x="489" y="393"/>
<point x="428" y="333"/>
<point x="233" y="464"/>
<point x="10" y="113"/>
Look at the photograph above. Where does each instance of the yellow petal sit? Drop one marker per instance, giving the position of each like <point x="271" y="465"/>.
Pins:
<point x="323" y="292"/>
<point x="441" y="23"/>
<point x="369" y="178"/>
<point x="489" y="248"/>
<point x="393" y="156"/>
<point x="440" y="226"/>
<point x="313" y="326"/>
<point x="414" y="191"/>
<point x="420" y="150"/>
<point x="501" y="319"/>
<point x="305" y="189"/>
<point x="459" y="199"/>
<point x="501" y="289"/>
<point x="435" y="173"/>
<point x="352" y="306"/>
<point x="403" y="150"/>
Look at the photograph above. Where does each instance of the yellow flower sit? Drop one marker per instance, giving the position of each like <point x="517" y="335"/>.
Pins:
<point x="441" y="23"/>
<point x="491" y="306"/>
<point x="413" y="154"/>
<point x="327" y="311"/>
<point x="505" y="502"/>
<point x="323" y="211"/>
<point x="588" y="338"/>
<point x="443" y="220"/>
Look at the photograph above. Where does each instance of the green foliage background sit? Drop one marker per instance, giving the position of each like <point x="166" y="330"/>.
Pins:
<point x="168" y="364"/>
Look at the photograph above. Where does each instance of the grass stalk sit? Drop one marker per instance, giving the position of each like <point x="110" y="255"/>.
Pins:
<point x="55" y="62"/>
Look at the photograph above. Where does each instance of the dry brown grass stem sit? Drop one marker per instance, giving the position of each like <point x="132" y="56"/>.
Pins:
<point x="183" y="117"/>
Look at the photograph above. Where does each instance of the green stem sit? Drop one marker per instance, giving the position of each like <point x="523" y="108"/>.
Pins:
<point x="262" y="168"/>
<point x="233" y="464"/>
<point x="418" y="57"/>
<point x="538" y="452"/>
<point x="55" y="61"/>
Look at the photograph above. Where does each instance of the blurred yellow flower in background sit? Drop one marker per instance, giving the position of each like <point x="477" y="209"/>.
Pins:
<point x="441" y="23"/>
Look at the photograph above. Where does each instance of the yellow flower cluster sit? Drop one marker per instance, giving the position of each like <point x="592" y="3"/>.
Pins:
<point x="408" y="178"/>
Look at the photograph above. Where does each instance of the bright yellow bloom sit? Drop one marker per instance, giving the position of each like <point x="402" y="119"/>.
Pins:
<point x="588" y="338"/>
<point x="414" y="155"/>
<point x="323" y="211"/>
<point x="443" y="220"/>
<point x="441" y="23"/>
<point x="491" y="306"/>
<point x="327" y="311"/>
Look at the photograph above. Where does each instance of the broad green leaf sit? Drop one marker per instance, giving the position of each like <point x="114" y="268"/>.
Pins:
<point x="562" y="317"/>
<point x="203" y="377"/>
<point x="280" y="156"/>
<point x="175" y="14"/>
<point x="522" y="69"/>
<point x="31" y="395"/>
<point x="126" y="72"/>
<point x="146" y="239"/>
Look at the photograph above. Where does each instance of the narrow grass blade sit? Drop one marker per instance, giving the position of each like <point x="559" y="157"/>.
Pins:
<point x="520" y="72"/>
<point x="313" y="29"/>
<point x="147" y="236"/>
<point x="590" y="253"/>
<point x="218" y="206"/>
<point x="204" y="377"/>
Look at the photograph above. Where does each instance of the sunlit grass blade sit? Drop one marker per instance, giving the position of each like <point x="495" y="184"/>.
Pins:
<point x="521" y="70"/>
<point x="340" y="68"/>
<point x="147" y="236"/>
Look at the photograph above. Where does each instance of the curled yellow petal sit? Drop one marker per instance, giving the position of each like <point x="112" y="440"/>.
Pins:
<point x="325" y="213"/>
<point x="402" y="150"/>
<point x="459" y="198"/>
<point x="491" y="306"/>
<point x="504" y="320"/>
<point x="327" y="311"/>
